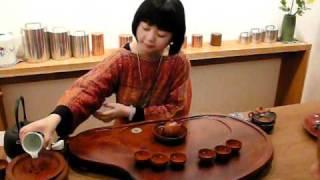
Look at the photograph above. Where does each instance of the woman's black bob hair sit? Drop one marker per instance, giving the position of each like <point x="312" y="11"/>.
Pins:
<point x="167" y="15"/>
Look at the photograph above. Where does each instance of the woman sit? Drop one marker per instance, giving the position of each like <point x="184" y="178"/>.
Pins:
<point x="150" y="77"/>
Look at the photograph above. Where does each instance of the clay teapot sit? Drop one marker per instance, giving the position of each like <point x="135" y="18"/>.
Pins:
<point x="12" y="144"/>
<point x="263" y="118"/>
<point x="172" y="129"/>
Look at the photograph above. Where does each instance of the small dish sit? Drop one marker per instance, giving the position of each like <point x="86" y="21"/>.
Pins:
<point x="142" y="157"/>
<point x="160" y="137"/>
<point x="234" y="144"/>
<point x="178" y="159"/>
<point x="49" y="165"/>
<point x="206" y="155"/>
<point x="310" y="124"/>
<point x="223" y="153"/>
<point x="159" y="160"/>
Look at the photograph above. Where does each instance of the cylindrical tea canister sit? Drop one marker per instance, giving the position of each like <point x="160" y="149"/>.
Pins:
<point x="80" y="44"/>
<point x="256" y="35"/>
<point x="263" y="35"/>
<point x="271" y="34"/>
<point x="35" y="41"/>
<point x="59" y="40"/>
<point x="97" y="44"/>
<point x="185" y="42"/>
<point x="245" y="38"/>
<point x="216" y="39"/>
<point x="124" y="39"/>
<point x="197" y="40"/>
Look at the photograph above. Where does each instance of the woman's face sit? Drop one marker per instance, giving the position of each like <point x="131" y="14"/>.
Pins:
<point x="152" y="40"/>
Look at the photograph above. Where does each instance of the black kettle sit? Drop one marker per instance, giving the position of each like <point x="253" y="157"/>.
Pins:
<point x="12" y="145"/>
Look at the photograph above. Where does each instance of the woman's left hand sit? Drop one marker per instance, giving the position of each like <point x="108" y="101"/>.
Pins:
<point x="115" y="110"/>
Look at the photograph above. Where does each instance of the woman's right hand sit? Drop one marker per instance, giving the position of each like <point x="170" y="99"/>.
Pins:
<point x="45" y="125"/>
<point x="113" y="111"/>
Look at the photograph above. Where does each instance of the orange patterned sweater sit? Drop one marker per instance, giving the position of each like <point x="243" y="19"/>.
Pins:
<point x="119" y="74"/>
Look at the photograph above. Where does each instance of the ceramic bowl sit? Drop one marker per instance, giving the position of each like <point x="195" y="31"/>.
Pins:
<point x="223" y="153"/>
<point x="311" y="124"/>
<point x="234" y="144"/>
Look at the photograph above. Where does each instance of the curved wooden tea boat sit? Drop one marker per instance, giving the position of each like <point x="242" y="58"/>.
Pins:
<point x="111" y="150"/>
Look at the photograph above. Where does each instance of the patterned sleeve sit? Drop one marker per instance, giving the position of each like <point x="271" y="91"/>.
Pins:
<point x="178" y="101"/>
<point x="88" y="92"/>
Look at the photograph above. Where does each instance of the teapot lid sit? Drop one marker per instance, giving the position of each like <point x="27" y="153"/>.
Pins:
<point x="6" y="36"/>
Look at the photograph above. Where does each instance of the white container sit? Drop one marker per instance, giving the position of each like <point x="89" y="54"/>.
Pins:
<point x="7" y="50"/>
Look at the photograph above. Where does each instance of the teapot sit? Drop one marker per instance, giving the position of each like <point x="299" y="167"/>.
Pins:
<point x="12" y="145"/>
<point x="172" y="129"/>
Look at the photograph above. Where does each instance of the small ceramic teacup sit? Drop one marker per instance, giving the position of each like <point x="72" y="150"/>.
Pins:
<point x="32" y="143"/>
<point x="142" y="157"/>
<point x="159" y="161"/>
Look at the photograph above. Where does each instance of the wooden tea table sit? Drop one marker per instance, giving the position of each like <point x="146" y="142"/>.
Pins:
<point x="113" y="150"/>
<point x="294" y="150"/>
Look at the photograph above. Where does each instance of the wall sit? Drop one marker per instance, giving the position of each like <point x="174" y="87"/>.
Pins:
<point x="114" y="17"/>
<point x="204" y="16"/>
<point x="308" y="29"/>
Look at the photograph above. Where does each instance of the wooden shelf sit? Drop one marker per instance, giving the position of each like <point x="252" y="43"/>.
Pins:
<point x="228" y="49"/>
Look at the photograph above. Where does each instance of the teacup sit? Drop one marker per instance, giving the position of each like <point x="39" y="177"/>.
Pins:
<point x="32" y="143"/>
<point x="223" y="153"/>
<point x="178" y="159"/>
<point x="234" y="144"/>
<point x="159" y="161"/>
<point x="142" y="157"/>
<point x="206" y="156"/>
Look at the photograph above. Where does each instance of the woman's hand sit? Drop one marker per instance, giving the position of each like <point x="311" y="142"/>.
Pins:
<point x="46" y="126"/>
<point x="115" y="110"/>
<point x="315" y="171"/>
